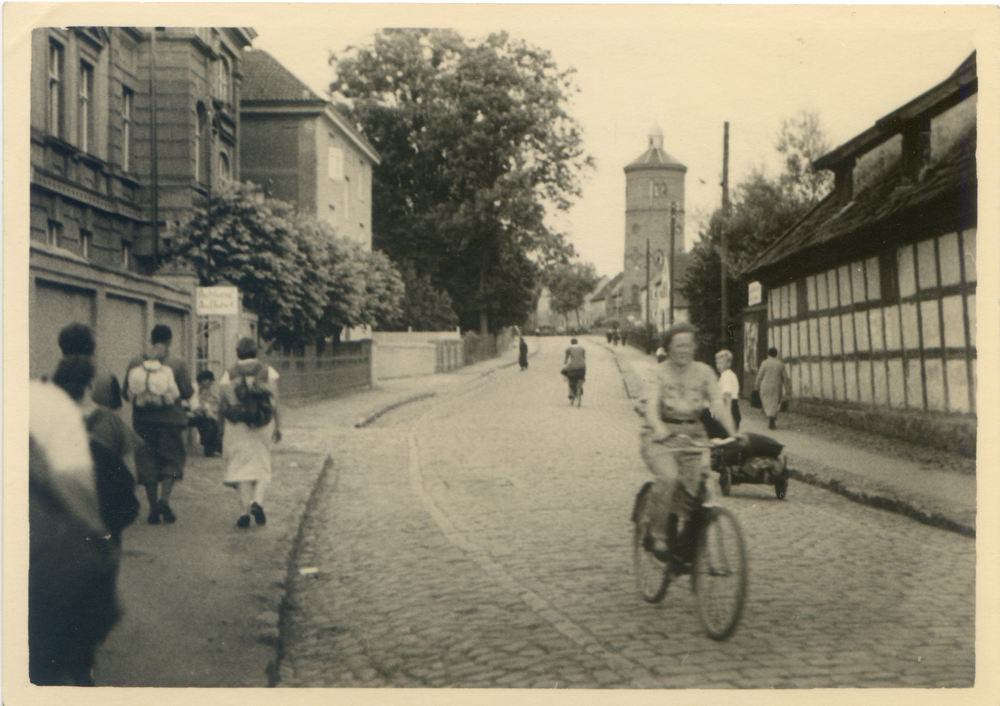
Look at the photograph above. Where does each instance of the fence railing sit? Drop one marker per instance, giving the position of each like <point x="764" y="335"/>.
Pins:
<point x="308" y="375"/>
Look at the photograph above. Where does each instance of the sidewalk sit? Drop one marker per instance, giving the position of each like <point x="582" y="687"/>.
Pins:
<point x="230" y="635"/>
<point x="940" y="498"/>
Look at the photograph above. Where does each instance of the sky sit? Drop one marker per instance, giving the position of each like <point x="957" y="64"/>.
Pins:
<point x="688" y="70"/>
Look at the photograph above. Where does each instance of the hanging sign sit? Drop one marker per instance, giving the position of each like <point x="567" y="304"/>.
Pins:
<point x="754" y="293"/>
<point x="219" y="301"/>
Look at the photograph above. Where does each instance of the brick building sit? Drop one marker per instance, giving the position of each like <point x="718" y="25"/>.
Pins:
<point x="106" y="177"/>
<point x="654" y="221"/>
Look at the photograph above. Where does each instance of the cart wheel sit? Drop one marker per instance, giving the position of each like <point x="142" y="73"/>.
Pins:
<point x="781" y="487"/>
<point x="725" y="480"/>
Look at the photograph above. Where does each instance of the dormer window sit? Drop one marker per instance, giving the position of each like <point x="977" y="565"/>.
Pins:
<point x="844" y="183"/>
<point x="916" y="148"/>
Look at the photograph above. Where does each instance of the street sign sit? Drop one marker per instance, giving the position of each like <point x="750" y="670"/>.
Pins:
<point x="217" y="300"/>
<point x="754" y="293"/>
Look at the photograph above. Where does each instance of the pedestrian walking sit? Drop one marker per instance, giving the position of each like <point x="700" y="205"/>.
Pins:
<point x="204" y="414"/>
<point x="522" y="357"/>
<point x="624" y="337"/>
<point x="615" y="337"/>
<point x="156" y="384"/>
<point x="112" y="443"/>
<point x="73" y="564"/>
<point x="608" y="334"/>
<point x="772" y="381"/>
<point x="729" y="384"/>
<point x="251" y="425"/>
<point x="575" y="368"/>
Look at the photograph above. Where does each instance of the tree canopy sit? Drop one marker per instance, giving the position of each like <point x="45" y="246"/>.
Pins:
<point x="762" y="210"/>
<point x="569" y="285"/>
<point x="475" y="145"/>
<point x="303" y="281"/>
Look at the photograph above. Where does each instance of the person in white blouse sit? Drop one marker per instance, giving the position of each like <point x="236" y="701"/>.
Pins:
<point x="729" y="384"/>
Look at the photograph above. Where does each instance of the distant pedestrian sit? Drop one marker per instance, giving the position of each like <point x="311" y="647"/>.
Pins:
<point x="624" y="337"/>
<point x="523" y="354"/>
<point x="251" y="425"/>
<point x="772" y="381"/>
<point x="204" y="415"/>
<point x="615" y="337"/>
<point x="608" y="334"/>
<point x="156" y="384"/>
<point x="575" y="368"/>
<point x="729" y="384"/>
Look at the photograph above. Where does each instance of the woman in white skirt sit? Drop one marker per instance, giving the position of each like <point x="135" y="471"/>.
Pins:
<point x="251" y="425"/>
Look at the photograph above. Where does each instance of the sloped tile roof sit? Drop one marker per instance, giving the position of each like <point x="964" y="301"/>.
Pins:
<point x="604" y="291"/>
<point x="875" y="218"/>
<point x="655" y="157"/>
<point x="265" y="79"/>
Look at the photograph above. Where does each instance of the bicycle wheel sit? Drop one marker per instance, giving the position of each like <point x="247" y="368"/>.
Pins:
<point x="651" y="575"/>
<point x="579" y="392"/>
<point x="720" y="573"/>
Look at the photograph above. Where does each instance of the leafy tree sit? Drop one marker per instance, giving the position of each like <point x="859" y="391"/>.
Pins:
<point x="802" y="142"/>
<point x="762" y="210"/>
<point x="569" y="285"/>
<point x="475" y="144"/>
<point x="300" y="280"/>
<point x="425" y="308"/>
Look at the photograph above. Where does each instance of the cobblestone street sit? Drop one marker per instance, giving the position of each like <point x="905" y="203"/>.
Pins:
<point x="481" y="538"/>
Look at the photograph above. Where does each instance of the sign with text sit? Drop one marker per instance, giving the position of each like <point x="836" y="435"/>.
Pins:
<point x="217" y="300"/>
<point x="754" y="293"/>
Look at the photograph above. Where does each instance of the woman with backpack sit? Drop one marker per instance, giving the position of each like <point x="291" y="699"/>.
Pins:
<point x="248" y="415"/>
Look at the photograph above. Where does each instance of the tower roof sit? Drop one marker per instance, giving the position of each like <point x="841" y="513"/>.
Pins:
<point x="655" y="157"/>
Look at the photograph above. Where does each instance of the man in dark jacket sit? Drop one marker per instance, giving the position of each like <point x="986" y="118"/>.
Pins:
<point x="160" y="460"/>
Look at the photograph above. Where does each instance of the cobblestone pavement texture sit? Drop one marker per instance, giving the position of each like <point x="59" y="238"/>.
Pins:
<point x="481" y="538"/>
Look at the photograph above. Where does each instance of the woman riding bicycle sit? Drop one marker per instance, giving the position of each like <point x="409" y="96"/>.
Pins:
<point x="674" y="401"/>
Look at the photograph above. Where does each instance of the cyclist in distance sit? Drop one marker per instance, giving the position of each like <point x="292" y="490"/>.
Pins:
<point x="575" y="366"/>
<point x="675" y="399"/>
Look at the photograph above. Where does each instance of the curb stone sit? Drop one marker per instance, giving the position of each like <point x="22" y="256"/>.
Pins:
<point x="287" y="604"/>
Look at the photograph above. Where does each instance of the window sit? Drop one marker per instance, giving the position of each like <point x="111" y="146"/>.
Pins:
<point x="224" y="170"/>
<point x="224" y="83"/>
<point x="128" y="97"/>
<point x="55" y="89"/>
<point x="200" y="143"/>
<point x="86" y="105"/>
<point x="86" y="243"/>
<point x="335" y="163"/>
<point x="53" y="233"/>
<point x="888" y="274"/>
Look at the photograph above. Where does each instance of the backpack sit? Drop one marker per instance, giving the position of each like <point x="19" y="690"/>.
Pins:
<point x="152" y="384"/>
<point x="253" y="405"/>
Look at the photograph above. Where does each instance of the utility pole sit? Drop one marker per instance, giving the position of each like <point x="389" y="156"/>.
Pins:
<point x="647" y="283"/>
<point x="722" y="228"/>
<point x="673" y="221"/>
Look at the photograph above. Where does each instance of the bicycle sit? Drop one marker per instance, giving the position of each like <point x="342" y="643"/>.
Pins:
<point x="575" y="387"/>
<point x="710" y="549"/>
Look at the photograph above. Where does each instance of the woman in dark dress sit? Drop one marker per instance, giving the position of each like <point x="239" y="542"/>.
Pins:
<point x="523" y="357"/>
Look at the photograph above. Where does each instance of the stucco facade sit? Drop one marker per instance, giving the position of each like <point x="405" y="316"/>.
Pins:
<point x="302" y="150"/>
